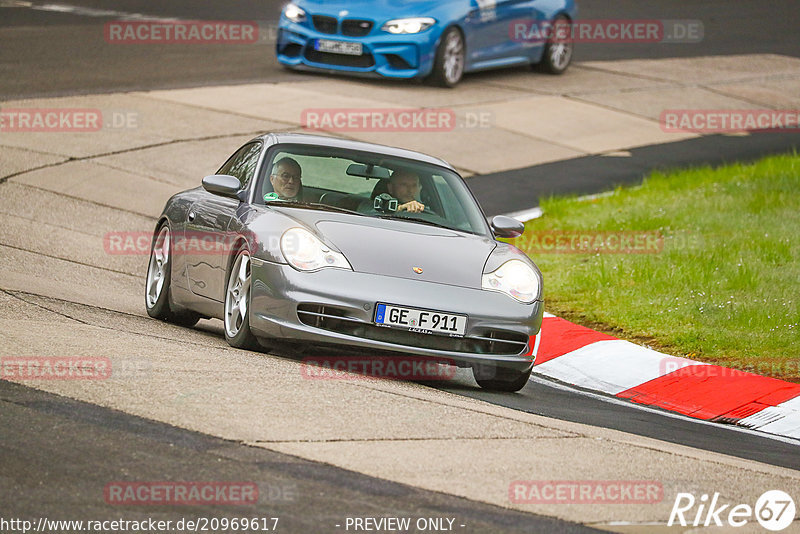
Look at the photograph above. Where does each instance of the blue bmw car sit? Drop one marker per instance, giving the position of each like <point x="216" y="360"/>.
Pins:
<point x="436" y="39"/>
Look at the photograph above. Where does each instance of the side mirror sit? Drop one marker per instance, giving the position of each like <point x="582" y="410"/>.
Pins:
<point x="507" y="227"/>
<point x="223" y="185"/>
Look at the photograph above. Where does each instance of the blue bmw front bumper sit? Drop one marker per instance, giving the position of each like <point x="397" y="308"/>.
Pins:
<point x="383" y="54"/>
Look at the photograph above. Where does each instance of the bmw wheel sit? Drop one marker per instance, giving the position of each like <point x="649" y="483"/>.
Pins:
<point x="448" y="67"/>
<point x="558" y="50"/>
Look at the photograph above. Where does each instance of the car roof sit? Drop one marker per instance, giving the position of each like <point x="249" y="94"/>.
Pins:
<point x="320" y="140"/>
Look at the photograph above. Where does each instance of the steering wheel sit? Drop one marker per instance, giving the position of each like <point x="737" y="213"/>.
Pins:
<point x="426" y="214"/>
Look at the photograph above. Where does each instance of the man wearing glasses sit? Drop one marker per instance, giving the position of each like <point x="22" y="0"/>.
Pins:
<point x="286" y="180"/>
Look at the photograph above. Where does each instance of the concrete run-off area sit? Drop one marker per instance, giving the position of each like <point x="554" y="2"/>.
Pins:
<point x="63" y="294"/>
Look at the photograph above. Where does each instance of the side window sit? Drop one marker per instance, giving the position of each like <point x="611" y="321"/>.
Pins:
<point x="243" y="164"/>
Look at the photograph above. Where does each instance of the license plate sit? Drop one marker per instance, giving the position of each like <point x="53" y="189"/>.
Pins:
<point x="338" y="47"/>
<point x="417" y="320"/>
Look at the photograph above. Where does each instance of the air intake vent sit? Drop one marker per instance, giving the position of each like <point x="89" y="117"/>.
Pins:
<point x="336" y="320"/>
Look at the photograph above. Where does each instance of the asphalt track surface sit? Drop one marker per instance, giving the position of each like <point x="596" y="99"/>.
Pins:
<point x="57" y="52"/>
<point x="544" y="397"/>
<point x="66" y="450"/>
<point x="594" y="174"/>
<point x="50" y="53"/>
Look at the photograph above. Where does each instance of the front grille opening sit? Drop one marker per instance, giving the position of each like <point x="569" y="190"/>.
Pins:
<point x="342" y="60"/>
<point x="292" y="50"/>
<point x="356" y="27"/>
<point x="325" y="24"/>
<point x="397" y="62"/>
<point x="336" y="320"/>
<point x="504" y="342"/>
<point x="320" y="316"/>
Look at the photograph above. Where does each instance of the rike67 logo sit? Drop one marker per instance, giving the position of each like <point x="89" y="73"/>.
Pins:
<point x="774" y="510"/>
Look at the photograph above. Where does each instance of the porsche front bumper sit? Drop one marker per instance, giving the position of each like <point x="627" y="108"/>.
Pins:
<point x="337" y="307"/>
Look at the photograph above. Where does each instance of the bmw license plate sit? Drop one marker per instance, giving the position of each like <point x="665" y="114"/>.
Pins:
<point x="338" y="47"/>
<point x="424" y="321"/>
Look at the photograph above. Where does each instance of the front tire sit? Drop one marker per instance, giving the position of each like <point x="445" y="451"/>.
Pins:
<point x="157" y="285"/>
<point x="493" y="378"/>
<point x="237" y="303"/>
<point x="558" y="50"/>
<point x="448" y="66"/>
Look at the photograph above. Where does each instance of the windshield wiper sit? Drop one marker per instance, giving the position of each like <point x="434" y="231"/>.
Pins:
<point x="311" y="205"/>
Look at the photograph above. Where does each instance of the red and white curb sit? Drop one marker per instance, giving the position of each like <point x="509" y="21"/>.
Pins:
<point x="592" y="360"/>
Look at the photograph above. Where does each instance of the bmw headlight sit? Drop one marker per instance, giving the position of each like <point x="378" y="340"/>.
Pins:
<point x="305" y="252"/>
<point x="515" y="278"/>
<point x="294" y="13"/>
<point x="411" y="25"/>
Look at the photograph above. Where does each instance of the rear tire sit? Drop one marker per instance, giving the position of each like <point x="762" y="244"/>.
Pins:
<point x="159" y="276"/>
<point x="495" y="378"/>
<point x="558" y="49"/>
<point x="448" y="66"/>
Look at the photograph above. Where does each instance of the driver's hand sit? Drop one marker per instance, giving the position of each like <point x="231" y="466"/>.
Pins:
<point x="412" y="207"/>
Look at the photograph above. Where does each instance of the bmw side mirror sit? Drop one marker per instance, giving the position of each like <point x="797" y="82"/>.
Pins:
<point x="223" y="185"/>
<point x="506" y="227"/>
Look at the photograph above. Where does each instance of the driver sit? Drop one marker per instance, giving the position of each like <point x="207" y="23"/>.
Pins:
<point x="286" y="180"/>
<point x="404" y="186"/>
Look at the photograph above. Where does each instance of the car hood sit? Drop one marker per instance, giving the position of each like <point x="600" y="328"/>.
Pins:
<point x="395" y="248"/>
<point x="375" y="9"/>
<point x="390" y="247"/>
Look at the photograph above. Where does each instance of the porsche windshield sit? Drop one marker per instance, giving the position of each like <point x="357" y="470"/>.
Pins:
<point x="370" y="185"/>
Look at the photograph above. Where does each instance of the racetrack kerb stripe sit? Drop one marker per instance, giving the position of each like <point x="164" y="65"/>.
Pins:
<point x="712" y="392"/>
<point x="560" y="337"/>
<point x="695" y="389"/>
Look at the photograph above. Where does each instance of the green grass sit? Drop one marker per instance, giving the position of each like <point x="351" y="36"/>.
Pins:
<point x="726" y="284"/>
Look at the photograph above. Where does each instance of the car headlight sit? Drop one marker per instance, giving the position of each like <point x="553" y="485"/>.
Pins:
<point x="515" y="278"/>
<point x="305" y="252"/>
<point x="411" y="25"/>
<point x="294" y="13"/>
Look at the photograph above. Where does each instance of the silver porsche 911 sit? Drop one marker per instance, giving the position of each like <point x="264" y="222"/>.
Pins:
<point x="333" y="243"/>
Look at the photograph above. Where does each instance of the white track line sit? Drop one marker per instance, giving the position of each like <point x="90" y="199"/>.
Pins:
<point x="782" y="419"/>
<point x="83" y="11"/>
<point x="525" y="215"/>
